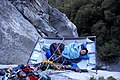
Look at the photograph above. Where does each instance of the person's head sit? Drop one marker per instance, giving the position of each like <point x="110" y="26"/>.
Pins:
<point x="83" y="52"/>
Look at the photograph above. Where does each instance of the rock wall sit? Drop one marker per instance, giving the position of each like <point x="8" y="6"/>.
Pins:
<point x="47" y="20"/>
<point x="23" y="21"/>
<point x="17" y="35"/>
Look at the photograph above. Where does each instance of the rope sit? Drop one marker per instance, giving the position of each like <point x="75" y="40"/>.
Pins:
<point x="52" y="56"/>
<point x="40" y="43"/>
<point x="56" y="49"/>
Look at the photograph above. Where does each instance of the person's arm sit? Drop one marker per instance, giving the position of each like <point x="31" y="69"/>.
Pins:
<point x="83" y="45"/>
<point x="84" y="57"/>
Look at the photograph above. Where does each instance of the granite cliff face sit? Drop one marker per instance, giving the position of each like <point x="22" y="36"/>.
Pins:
<point x="23" y="21"/>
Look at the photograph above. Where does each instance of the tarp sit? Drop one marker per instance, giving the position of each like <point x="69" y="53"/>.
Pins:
<point x="38" y="55"/>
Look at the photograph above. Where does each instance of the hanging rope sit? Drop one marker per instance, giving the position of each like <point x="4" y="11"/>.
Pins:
<point x="57" y="48"/>
<point x="52" y="56"/>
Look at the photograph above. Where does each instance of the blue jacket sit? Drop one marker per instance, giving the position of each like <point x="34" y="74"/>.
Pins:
<point x="72" y="51"/>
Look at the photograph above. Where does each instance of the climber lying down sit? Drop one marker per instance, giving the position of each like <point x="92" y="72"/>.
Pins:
<point x="72" y="53"/>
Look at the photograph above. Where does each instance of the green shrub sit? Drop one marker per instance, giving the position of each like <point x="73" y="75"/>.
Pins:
<point x="92" y="78"/>
<point x="109" y="52"/>
<point x="101" y="78"/>
<point x="111" y="78"/>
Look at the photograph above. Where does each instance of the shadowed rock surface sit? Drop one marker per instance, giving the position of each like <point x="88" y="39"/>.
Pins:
<point x="17" y="35"/>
